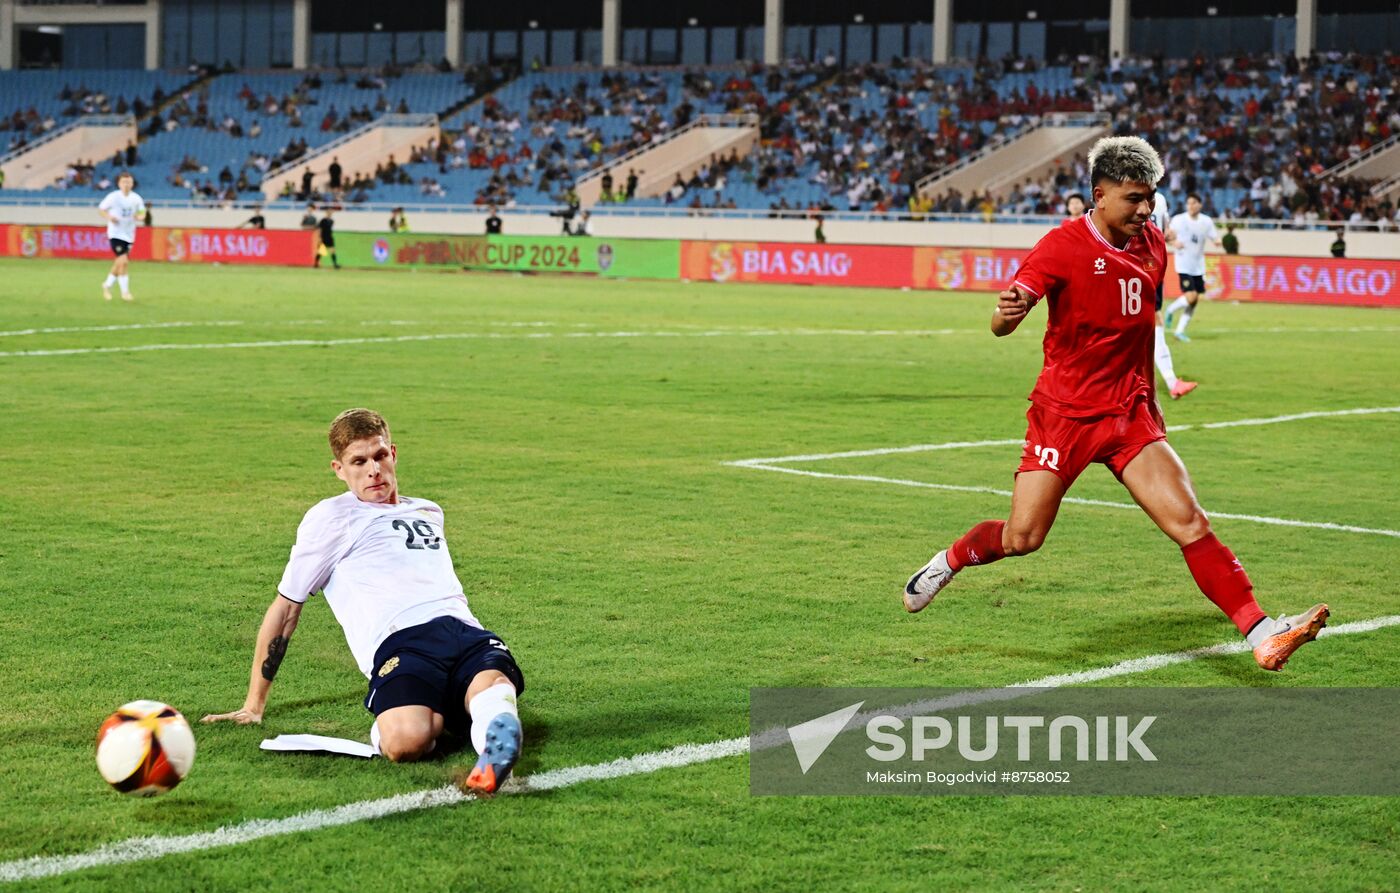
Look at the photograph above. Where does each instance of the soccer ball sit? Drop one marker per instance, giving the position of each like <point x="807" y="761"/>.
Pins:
<point x="145" y="748"/>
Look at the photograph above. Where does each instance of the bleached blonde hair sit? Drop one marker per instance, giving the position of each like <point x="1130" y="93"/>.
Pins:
<point x="1124" y="159"/>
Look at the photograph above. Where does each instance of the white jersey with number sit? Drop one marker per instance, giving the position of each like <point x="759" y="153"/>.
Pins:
<point x="1159" y="213"/>
<point x="127" y="209"/>
<point x="382" y="568"/>
<point x="1191" y="238"/>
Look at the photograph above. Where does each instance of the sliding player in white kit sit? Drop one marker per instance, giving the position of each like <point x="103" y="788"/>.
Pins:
<point x="1189" y="233"/>
<point x="121" y="209"/>
<point x="1161" y="353"/>
<point x="381" y="560"/>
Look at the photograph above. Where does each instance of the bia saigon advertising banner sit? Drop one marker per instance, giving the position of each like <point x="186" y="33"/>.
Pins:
<point x="230" y="246"/>
<point x="1360" y="282"/>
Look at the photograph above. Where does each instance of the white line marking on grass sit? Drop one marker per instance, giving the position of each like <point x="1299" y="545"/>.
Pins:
<point x="459" y="336"/>
<point x="1308" y="330"/>
<point x="1102" y="503"/>
<point x="120" y="328"/>
<point x="970" y="444"/>
<point x="772" y="464"/>
<point x="1296" y="416"/>
<point x="886" y="451"/>
<point x="139" y="849"/>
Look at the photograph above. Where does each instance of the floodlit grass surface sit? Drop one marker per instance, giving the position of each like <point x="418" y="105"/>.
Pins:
<point x="575" y="432"/>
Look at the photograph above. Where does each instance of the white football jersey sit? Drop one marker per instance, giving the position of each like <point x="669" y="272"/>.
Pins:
<point x="1159" y="213"/>
<point x="1191" y="239"/>
<point x="382" y="568"/>
<point x="127" y="209"/>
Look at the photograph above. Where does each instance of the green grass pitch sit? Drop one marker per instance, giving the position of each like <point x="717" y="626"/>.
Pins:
<point x="576" y="430"/>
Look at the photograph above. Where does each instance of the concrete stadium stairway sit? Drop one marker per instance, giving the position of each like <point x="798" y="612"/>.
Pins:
<point x="360" y="151"/>
<point x="1380" y="162"/>
<point x="1032" y="152"/>
<point x="45" y="160"/>
<point x="682" y="153"/>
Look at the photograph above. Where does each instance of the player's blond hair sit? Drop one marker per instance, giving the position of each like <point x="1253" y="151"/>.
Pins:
<point x="355" y="424"/>
<point x="1124" y="159"/>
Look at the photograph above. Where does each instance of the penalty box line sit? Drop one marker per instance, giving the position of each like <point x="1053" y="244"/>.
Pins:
<point x="140" y="849"/>
<point x="779" y="464"/>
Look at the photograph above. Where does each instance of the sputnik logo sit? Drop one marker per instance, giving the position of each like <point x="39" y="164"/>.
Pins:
<point x="811" y="738"/>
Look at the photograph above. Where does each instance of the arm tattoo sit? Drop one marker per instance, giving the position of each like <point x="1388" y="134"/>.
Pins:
<point x="276" y="650"/>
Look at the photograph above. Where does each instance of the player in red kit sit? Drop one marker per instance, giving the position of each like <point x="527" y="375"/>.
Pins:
<point x="1095" y="401"/>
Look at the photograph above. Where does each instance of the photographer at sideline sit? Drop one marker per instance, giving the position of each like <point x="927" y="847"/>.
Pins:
<point x="567" y="214"/>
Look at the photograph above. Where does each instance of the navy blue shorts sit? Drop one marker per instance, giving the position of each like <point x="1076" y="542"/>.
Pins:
<point x="120" y="247"/>
<point x="432" y="664"/>
<point x="1193" y="283"/>
<point x="1159" y="293"/>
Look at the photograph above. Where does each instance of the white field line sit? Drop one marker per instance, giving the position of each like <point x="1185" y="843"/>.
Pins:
<point x="1307" y="330"/>
<point x="1103" y="503"/>
<point x="712" y="330"/>
<point x="1297" y="416"/>
<point x="139" y="849"/>
<point x="122" y="328"/>
<point x="779" y="463"/>
<point x="969" y="444"/>
<point x="460" y="336"/>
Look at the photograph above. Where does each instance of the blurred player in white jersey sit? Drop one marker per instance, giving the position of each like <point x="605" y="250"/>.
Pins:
<point x="381" y="561"/>
<point x="121" y="209"/>
<point x="1189" y="233"/>
<point x="1162" y="354"/>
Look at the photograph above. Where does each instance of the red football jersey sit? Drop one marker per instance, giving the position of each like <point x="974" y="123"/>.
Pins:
<point x="1099" y="339"/>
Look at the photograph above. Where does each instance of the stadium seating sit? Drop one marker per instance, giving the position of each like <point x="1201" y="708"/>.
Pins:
<point x="245" y="123"/>
<point x="1249" y="133"/>
<point x="576" y="120"/>
<point x="35" y="101"/>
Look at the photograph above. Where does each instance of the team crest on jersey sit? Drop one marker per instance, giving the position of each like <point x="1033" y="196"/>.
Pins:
<point x="1099" y="266"/>
<point x="389" y="666"/>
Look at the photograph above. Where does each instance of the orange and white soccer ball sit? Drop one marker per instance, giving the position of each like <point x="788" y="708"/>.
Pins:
<point x="145" y="748"/>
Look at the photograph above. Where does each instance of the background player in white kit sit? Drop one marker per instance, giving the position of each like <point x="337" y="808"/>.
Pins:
<point x="381" y="560"/>
<point x="1189" y="233"/>
<point x="1161" y="353"/>
<point x="121" y="209"/>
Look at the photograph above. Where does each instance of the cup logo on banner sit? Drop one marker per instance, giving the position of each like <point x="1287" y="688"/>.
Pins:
<point x="175" y="245"/>
<point x="605" y="257"/>
<point x="948" y="270"/>
<point x="381" y="251"/>
<point x="722" y="267"/>
<point x="28" y="242"/>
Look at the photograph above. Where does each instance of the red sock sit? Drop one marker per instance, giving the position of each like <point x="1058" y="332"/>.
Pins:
<point x="980" y="545"/>
<point x="1222" y="578"/>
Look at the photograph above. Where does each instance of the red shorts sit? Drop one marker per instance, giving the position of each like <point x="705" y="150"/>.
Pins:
<point x="1066" y="446"/>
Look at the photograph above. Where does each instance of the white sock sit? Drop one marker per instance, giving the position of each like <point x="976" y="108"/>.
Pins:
<point x="1164" y="358"/>
<point x="125" y="283"/>
<point x="1185" y="318"/>
<point x="498" y="699"/>
<point x="1176" y="306"/>
<point x="1261" y="631"/>
<point x="109" y="281"/>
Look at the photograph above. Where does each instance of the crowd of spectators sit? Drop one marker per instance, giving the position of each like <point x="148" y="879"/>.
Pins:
<point x="561" y="132"/>
<point x="1251" y="134"/>
<point x="26" y="124"/>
